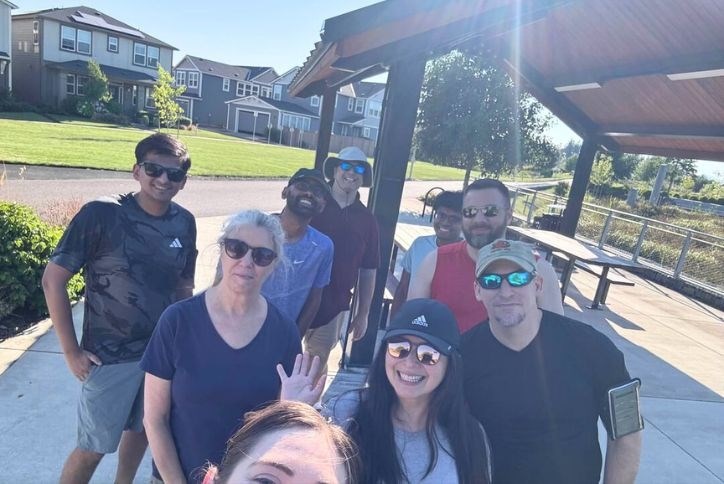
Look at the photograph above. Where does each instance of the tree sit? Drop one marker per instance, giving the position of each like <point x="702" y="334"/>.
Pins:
<point x="164" y="98"/>
<point x="624" y="165"/>
<point x="678" y="169"/>
<point x="472" y="117"/>
<point x="602" y="171"/>
<point x="96" y="91"/>
<point x="648" y="168"/>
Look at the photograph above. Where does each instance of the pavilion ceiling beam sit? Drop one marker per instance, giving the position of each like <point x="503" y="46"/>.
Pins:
<point x="676" y="65"/>
<point x="667" y="131"/>
<point x="675" y="153"/>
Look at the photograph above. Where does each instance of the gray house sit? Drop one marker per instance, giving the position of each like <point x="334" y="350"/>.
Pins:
<point x="357" y="110"/>
<point x="6" y="67"/>
<point x="51" y="50"/>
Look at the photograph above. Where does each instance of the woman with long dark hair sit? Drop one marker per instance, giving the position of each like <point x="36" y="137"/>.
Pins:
<point x="410" y="421"/>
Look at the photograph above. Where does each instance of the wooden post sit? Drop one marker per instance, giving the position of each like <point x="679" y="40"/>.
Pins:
<point x="325" y="127"/>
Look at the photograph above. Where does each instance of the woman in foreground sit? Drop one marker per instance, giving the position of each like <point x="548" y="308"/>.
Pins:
<point x="213" y="356"/>
<point x="287" y="442"/>
<point x="410" y="421"/>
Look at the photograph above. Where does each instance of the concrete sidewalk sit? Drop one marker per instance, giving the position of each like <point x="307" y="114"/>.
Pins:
<point x="674" y="344"/>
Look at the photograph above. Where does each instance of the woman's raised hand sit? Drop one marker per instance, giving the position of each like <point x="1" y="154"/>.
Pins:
<point x="301" y="385"/>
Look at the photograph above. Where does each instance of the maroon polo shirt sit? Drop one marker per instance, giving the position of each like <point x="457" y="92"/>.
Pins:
<point x="356" y="238"/>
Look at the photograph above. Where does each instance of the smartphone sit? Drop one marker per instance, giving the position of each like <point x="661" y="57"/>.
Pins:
<point x="625" y="409"/>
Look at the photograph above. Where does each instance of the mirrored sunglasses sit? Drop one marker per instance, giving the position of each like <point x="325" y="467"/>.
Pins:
<point x="515" y="279"/>
<point x="488" y="210"/>
<point x="154" y="170"/>
<point x="237" y="249"/>
<point x="424" y="352"/>
<point x="310" y="187"/>
<point x="444" y="217"/>
<point x="359" y="169"/>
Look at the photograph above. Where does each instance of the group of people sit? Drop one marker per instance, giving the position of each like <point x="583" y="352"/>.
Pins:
<point x="479" y="377"/>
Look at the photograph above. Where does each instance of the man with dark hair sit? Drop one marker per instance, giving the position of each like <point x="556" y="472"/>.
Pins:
<point x="539" y="382"/>
<point x="448" y="273"/>
<point x="296" y="288"/>
<point x="447" y="224"/>
<point x="138" y="255"/>
<point x="353" y="229"/>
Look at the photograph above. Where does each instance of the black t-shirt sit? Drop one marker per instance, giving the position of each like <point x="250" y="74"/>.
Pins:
<point x="540" y="406"/>
<point x="132" y="262"/>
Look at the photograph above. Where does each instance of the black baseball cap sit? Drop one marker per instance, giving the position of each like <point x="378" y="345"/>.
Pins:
<point x="428" y="319"/>
<point x="309" y="174"/>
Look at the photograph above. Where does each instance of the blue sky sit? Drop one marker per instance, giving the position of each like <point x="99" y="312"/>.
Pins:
<point x="276" y="33"/>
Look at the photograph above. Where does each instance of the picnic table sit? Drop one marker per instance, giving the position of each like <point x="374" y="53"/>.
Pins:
<point x="585" y="255"/>
<point x="405" y="235"/>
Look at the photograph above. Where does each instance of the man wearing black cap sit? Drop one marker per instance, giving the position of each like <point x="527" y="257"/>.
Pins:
<point x="296" y="288"/>
<point x="355" y="234"/>
<point x="539" y="382"/>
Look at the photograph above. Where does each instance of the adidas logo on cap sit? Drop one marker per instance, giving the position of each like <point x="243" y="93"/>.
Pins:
<point x="420" y="321"/>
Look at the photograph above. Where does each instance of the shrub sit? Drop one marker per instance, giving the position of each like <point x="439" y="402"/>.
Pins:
<point x="110" y="118"/>
<point x="114" y="107"/>
<point x="9" y="104"/>
<point x="562" y="189"/>
<point x="85" y="108"/>
<point x="184" y="121"/>
<point x="69" y="105"/>
<point x="142" y="118"/>
<point x="274" y="136"/>
<point x="26" y="243"/>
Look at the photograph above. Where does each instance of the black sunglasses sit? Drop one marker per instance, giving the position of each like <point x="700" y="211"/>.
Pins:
<point x="488" y="210"/>
<point x="425" y="353"/>
<point x="443" y="217"/>
<point x="237" y="249"/>
<point x="359" y="169"/>
<point x="154" y="170"/>
<point x="515" y="279"/>
<point x="310" y="187"/>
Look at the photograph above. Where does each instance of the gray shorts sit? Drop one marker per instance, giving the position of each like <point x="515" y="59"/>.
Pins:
<point x="111" y="401"/>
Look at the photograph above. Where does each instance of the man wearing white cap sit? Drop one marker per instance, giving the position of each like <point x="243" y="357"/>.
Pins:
<point x="538" y="382"/>
<point x="353" y="229"/>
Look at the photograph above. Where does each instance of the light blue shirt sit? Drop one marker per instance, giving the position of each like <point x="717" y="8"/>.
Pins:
<point x="308" y="265"/>
<point x="419" y="249"/>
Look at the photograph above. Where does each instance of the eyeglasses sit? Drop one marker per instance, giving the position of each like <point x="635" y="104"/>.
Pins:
<point x="359" y="169"/>
<point x="154" y="170"/>
<point x="442" y="217"/>
<point x="312" y="188"/>
<point x="237" y="249"/>
<point x="426" y="354"/>
<point x="515" y="279"/>
<point x="488" y="210"/>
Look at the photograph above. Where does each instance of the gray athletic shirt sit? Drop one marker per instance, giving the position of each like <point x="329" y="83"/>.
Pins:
<point x="412" y="447"/>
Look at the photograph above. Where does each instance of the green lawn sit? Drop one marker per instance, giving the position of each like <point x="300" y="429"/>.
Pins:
<point x="33" y="139"/>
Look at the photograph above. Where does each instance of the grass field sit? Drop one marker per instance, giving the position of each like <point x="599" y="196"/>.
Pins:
<point x="32" y="139"/>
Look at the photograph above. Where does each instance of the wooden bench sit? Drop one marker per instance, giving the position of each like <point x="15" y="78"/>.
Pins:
<point x="390" y="288"/>
<point x="613" y="276"/>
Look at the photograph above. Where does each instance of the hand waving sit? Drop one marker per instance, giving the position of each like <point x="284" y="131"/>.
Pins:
<point x="301" y="385"/>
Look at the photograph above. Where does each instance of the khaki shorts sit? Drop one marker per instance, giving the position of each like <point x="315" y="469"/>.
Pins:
<point x="111" y="401"/>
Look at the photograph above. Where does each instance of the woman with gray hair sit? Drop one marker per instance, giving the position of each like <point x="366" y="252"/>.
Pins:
<point x="213" y="357"/>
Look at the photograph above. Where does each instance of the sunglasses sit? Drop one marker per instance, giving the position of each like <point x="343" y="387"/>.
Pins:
<point x="312" y="188"/>
<point x="443" y="217"/>
<point x="154" y="170"/>
<point x="515" y="279"/>
<point x="359" y="169"/>
<point x="488" y="210"/>
<point x="425" y="353"/>
<point x="237" y="249"/>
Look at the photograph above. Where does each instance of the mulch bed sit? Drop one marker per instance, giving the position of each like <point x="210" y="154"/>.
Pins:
<point x="17" y="323"/>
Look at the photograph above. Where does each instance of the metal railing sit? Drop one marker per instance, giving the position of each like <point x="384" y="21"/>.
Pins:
<point x="679" y="252"/>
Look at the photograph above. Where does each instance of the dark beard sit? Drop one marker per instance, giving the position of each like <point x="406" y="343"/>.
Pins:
<point x="301" y="210"/>
<point x="480" y="241"/>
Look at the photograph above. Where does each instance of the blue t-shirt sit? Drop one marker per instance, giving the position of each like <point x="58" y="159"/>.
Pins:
<point x="308" y="266"/>
<point x="212" y="384"/>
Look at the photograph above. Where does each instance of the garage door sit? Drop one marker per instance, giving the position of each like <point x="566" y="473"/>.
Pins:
<point x="245" y="122"/>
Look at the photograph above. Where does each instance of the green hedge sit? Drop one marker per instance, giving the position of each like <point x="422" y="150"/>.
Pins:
<point x="26" y="243"/>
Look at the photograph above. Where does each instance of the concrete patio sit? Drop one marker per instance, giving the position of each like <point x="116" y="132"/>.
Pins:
<point x="674" y="344"/>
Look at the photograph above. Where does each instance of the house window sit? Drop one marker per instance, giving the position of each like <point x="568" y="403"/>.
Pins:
<point x="314" y="101"/>
<point x="75" y="40"/>
<point x="36" y="32"/>
<point x="112" y="44"/>
<point x="350" y="104"/>
<point x="153" y="54"/>
<point x="139" y="54"/>
<point x="70" y="84"/>
<point x="80" y="89"/>
<point x="373" y="109"/>
<point x="359" y="106"/>
<point x="149" y="99"/>
<point x="180" y="78"/>
<point x="366" y="133"/>
<point x="277" y="92"/>
<point x="254" y="89"/>
<point x="225" y="85"/>
<point x="307" y="123"/>
<point x="245" y="89"/>
<point x="265" y="92"/>
<point x="193" y="80"/>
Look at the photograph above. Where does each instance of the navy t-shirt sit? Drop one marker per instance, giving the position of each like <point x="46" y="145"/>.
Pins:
<point x="212" y="384"/>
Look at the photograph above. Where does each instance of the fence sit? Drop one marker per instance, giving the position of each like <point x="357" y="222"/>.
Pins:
<point x="308" y="140"/>
<point x="676" y="251"/>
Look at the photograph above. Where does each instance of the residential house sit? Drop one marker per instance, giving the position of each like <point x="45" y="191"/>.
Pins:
<point x="6" y="67"/>
<point x="357" y="110"/>
<point x="51" y="50"/>
<point x="226" y="96"/>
